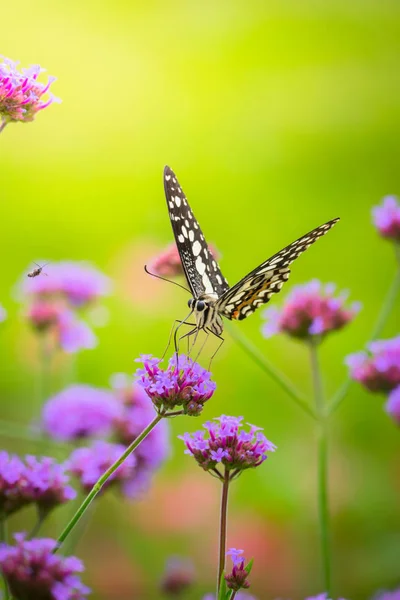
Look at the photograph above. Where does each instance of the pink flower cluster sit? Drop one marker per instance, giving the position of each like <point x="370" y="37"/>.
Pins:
<point x="386" y="218"/>
<point x="22" y="96"/>
<point x="54" y="298"/>
<point x="378" y="370"/>
<point x="168" y="262"/>
<point x="310" y="310"/>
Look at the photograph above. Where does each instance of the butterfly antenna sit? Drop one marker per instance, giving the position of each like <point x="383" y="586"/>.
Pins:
<point x="164" y="279"/>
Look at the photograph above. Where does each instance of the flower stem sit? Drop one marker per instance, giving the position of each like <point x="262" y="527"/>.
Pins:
<point x="44" y="370"/>
<point x="254" y="353"/>
<point x="384" y="313"/>
<point x="3" y="123"/>
<point x="323" y="503"/>
<point x="103" y="479"/>
<point x="222" y="527"/>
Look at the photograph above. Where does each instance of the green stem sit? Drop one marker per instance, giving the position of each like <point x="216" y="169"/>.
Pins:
<point x="222" y="527"/>
<point x="103" y="479"/>
<point x="323" y="501"/>
<point x="43" y="376"/>
<point x="3" y="123"/>
<point x="255" y="354"/>
<point x="384" y="313"/>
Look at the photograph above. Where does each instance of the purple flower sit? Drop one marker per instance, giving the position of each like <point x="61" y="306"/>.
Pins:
<point x="228" y="445"/>
<point x="168" y="262"/>
<point x="323" y="596"/>
<point x="378" y="370"/>
<point x="78" y="282"/>
<point x="393" y="406"/>
<point x="21" y="94"/>
<point x="386" y="218"/>
<point x="36" y="480"/>
<point x="3" y="314"/>
<point x="178" y="576"/>
<point x="237" y="578"/>
<point x="310" y="310"/>
<point x="137" y="413"/>
<point x="33" y="572"/>
<point x="386" y="595"/>
<point x="89" y="464"/>
<point x="188" y="387"/>
<point x="80" y="411"/>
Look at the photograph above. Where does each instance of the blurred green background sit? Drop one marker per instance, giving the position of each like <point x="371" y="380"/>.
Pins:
<point x="276" y="116"/>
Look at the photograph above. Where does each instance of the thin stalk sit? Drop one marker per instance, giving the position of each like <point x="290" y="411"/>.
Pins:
<point x="3" y="124"/>
<point x="41" y="516"/>
<point x="18" y="431"/>
<point x="383" y="316"/>
<point x="222" y="527"/>
<point x="322" y="492"/>
<point x="254" y="353"/>
<point x="103" y="479"/>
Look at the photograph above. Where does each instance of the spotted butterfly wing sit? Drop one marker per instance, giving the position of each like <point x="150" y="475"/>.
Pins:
<point x="241" y="300"/>
<point x="201" y="269"/>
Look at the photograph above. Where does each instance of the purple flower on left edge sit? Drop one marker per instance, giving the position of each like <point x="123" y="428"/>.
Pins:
<point x="22" y="96"/>
<point x="3" y="314"/>
<point x="227" y="445"/>
<point x="310" y="310"/>
<point x="184" y="384"/>
<point x="80" y="411"/>
<point x="33" y="572"/>
<point x="40" y="481"/>
<point x="386" y="218"/>
<point x="88" y="464"/>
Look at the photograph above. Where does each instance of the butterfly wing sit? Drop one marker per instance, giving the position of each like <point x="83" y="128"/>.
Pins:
<point x="201" y="269"/>
<point x="257" y="287"/>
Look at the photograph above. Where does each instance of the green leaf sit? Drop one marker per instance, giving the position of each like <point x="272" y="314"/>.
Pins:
<point x="249" y="566"/>
<point x="223" y="590"/>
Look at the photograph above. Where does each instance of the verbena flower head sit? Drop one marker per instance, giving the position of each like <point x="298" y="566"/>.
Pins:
<point x="311" y="309"/>
<point x="33" y="572"/>
<point x="36" y="480"/>
<point x="388" y="595"/>
<point x="386" y="218"/>
<point x="78" y="282"/>
<point x="88" y="464"/>
<point x="65" y="330"/>
<point x="22" y="96"/>
<point x="378" y="370"/>
<point x="80" y="411"/>
<point x="168" y="262"/>
<point x="178" y="576"/>
<point x="237" y="578"/>
<point x="186" y="385"/>
<point x="393" y="406"/>
<point x="227" y="445"/>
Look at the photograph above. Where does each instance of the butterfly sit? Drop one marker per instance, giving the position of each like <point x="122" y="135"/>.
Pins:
<point x="213" y="298"/>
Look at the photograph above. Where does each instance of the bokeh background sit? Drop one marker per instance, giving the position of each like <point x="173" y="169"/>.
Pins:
<point x="276" y="116"/>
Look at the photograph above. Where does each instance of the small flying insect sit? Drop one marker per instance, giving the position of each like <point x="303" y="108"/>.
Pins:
<point x="36" y="272"/>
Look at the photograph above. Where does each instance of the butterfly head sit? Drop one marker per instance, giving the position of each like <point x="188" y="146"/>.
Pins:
<point x="197" y="305"/>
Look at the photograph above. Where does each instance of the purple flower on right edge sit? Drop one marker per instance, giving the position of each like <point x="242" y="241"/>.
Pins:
<point x="386" y="218"/>
<point x="310" y="310"/>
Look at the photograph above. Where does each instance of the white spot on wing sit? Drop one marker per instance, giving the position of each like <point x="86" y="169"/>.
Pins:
<point x="184" y="231"/>
<point x="200" y="266"/>
<point x="177" y="201"/>
<point x="196" y="248"/>
<point x="181" y="239"/>
<point x="191" y="235"/>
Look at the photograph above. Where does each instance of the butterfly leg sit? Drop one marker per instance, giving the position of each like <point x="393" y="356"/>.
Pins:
<point x="218" y="348"/>
<point x="202" y="347"/>
<point x="174" y="324"/>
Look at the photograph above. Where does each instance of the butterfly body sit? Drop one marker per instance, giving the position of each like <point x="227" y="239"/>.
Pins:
<point x="213" y="298"/>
